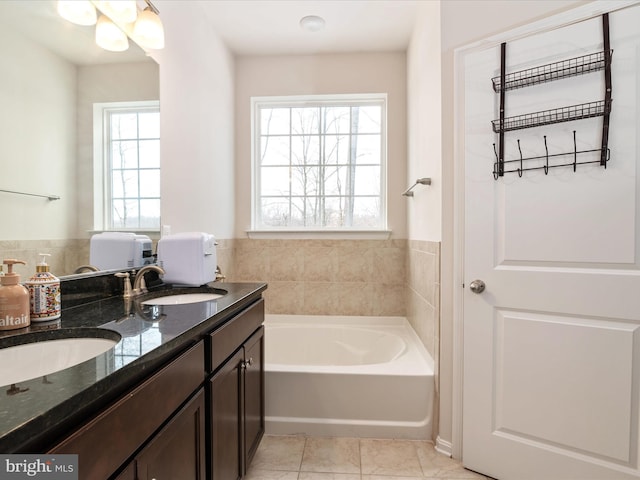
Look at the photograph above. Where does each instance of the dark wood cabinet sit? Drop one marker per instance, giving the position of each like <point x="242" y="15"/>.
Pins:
<point x="237" y="394"/>
<point x="107" y="442"/>
<point x="200" y="416"/>
<point x="225" y="419"/>
<point x="129" y="473"/>
<point x="178" y="450"/>
<point x="253" y="395"/>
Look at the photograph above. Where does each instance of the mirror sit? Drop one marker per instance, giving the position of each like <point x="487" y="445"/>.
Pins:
<point x="51" y="73"/>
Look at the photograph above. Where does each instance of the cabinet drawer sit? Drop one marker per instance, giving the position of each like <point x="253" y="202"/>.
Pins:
<point x="107" y="441"/>
<point x="226" y="339"/>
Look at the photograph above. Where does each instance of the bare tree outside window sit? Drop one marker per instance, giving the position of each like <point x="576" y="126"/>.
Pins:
<point x="320" y="164"/>
<point x="134" y="168"/>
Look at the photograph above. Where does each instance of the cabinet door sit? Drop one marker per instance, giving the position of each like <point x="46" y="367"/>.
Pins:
<point x="178" y="450"/>
<point x="225" y="419"/>
<point x="253" y="395"/>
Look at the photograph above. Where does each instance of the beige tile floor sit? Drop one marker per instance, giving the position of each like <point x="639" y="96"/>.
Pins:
<point x="333" y="458"/>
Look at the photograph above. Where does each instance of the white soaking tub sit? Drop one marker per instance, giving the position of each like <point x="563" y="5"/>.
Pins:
<point x="347" y="376"/>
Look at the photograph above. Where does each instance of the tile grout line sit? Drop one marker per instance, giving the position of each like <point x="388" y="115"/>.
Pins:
<point x="304" y="449"/>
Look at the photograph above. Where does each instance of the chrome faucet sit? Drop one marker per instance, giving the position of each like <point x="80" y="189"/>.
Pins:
<point x="139" y="285"/>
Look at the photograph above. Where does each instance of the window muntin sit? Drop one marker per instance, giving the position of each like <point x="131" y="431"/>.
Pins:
<point x="320" y="163"/>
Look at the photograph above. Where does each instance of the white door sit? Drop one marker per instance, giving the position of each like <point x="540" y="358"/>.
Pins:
<point x="552" y="345"/>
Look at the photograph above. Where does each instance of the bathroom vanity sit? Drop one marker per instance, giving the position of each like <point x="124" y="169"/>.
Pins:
<point x="181" y="395"/>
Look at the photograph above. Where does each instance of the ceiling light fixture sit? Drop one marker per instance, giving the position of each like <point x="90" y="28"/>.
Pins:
<point x="119" y="11"/>
<point x="109" y="36"/>
<point x="80" y="12"/>
<point x="119" y="19"/>
<point x="312" y="23"/>
<point x="148" y="30"/>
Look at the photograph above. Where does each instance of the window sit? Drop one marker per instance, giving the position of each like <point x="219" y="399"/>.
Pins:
<point x="319" y="163"/>
<point x="128" y="166"/>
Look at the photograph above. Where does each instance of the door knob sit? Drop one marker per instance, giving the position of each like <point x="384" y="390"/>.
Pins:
<point x="477" y="286"/>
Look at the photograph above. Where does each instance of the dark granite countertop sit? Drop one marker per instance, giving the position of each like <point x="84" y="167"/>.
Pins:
<point x="36" y="413"/>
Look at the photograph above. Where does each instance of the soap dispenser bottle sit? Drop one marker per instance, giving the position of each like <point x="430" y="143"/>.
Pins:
<point x="14" y="299"/>
<point x="44" y="293"/>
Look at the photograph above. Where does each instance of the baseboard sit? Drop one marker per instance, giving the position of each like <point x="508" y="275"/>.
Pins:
<point x="444" y="447"/>
<point x="345" y="428"/>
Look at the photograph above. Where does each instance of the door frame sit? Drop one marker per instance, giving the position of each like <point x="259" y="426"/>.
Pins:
<point x="574" y="15"/>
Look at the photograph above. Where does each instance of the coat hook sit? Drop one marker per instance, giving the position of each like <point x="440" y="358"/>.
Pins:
<point x="546" y="167"/>
<point x="495" y="165"/>
<point x="520" y="150"/>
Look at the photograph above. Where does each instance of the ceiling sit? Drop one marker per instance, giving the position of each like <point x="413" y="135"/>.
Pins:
<point x="271" y="27"/>
<point x="247" y="27"/>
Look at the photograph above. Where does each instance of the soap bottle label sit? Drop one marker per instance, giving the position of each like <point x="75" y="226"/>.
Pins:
<point x="12" y="316"/>
<point x="44" y="293"/>
<point x="45" y="302"/>
<point x="11" y="322"/>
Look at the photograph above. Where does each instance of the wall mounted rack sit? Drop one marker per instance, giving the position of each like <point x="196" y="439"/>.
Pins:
<point x="571" y="67"/>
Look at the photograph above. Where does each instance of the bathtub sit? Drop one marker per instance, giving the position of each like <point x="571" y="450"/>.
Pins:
<point x="347" y="376"/>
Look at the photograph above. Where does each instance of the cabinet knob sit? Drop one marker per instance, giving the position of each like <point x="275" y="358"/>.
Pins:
<point x="247" y="363"/>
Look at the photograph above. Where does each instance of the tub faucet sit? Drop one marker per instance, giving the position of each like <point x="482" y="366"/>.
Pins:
<point x="139" y="285"/>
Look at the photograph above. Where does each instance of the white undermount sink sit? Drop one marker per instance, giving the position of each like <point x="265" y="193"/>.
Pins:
<point x="183" y="298"/>
<point x="37" y="358"/>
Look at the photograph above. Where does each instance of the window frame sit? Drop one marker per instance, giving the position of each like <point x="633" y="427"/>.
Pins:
<point x="101" y="165"/>
<point x="258" y="230"/>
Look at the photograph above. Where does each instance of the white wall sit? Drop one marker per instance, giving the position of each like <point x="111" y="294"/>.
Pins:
<point x="463" y="22"/>
<point x="424" y="132"/>
<point x="324" y="74"/>
<point x="37" y="141"/>
<point x="196" y="126"/>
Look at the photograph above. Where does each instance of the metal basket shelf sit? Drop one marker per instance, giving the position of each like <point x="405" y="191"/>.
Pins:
<point x="571" y="67"/>
<point x="556" y="115"/>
